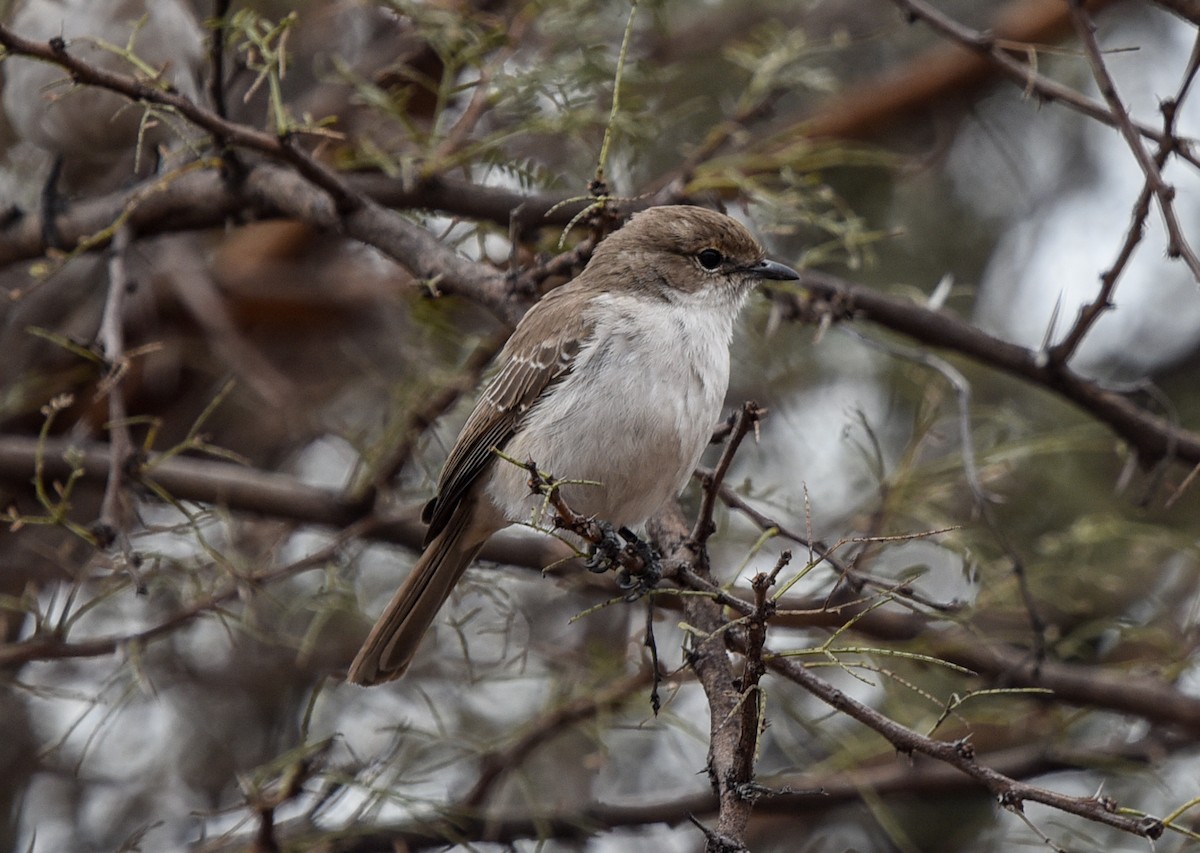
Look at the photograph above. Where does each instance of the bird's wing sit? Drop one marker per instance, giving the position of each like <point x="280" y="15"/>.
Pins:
<point x="527" y="367"/>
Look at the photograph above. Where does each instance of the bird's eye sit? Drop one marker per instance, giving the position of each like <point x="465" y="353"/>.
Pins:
<point x="710" y="259"/>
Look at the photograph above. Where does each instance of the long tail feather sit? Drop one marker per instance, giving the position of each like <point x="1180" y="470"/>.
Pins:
<point x="390" y="646"/>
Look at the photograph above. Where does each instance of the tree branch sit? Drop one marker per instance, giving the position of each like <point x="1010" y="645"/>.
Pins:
<point x="791" y="795"/>
<point x="1177" y="246"/>
<point x="1024" y="74"/>
<point x="1151" y="436"/>
<point x="961" y="754"/>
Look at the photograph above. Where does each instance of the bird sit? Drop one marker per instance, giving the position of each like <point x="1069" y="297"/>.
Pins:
<point x="611" y="384"/>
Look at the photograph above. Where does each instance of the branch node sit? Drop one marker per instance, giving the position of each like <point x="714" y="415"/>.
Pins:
<point x="1010" y="799"/>
<point x="964" y="748"/>
<point x="1151" y="827"/>
<point x="715" y="842"/>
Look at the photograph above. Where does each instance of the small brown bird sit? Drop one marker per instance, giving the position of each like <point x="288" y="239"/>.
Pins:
<point x="616" y="378"/>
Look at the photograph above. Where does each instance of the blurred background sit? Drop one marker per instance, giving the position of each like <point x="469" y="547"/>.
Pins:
<point x="178" y="716"/>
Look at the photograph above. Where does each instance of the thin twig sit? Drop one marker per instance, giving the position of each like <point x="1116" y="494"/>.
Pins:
<point x="1177" y="244"/>
<point x="1024" y="74"/>
<point x="496" y="765"/>
<point x="748" y="417"/>
<point x="984" y="500"/>
<point x="50" y="647"/>
<point x="283" y="148"/>
<point x="821" y="552"/>
<point x="1151" y="436"/>
<point x="961" y="754"/>
<point x="233" y="167"/>
<point x="1090" y="313"/>
<point x="112" y="526"/>
<point x="456" y="137"/>
<point x="216" y="58"/>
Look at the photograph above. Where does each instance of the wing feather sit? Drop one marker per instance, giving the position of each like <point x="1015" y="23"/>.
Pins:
<point x="527" y="367"/>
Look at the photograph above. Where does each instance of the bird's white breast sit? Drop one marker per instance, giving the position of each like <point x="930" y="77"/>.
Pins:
<point x="635" y="412"/>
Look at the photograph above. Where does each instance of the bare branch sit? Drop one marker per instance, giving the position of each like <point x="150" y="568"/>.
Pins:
<point x="1177" y="245"/>
<point x="746" y="419"/>
<point x="44" y="647"/>
<point x="791" y="795"/>
<point x="1152" y="436"/>
<point x="307" y="190"/>
<point x="961" y="754"/>
<point x="112" y="527"/>
<point x="1026" y="76"/>
<point x="499" y="763"/>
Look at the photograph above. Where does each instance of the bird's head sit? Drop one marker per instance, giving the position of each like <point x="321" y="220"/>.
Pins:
<point x="677" y="249"/>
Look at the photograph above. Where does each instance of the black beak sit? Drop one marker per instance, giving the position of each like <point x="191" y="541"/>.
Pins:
<point x="774" y="270"/>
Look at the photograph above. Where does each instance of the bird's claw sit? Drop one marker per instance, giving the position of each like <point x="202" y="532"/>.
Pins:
<point x="603" y="554"/>
<point x="639" y="583"/>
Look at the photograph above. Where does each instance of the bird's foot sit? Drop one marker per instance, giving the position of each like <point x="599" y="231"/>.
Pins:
<point x="637" y="563"/>
<point x="638" y="583"/>
<point x="605" y="553"/>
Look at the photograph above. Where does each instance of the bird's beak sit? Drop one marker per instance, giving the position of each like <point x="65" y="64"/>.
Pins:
<point x="774" y="270"/>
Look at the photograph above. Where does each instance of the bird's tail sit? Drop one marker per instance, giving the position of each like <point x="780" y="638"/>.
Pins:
<point x="390" y="646"/>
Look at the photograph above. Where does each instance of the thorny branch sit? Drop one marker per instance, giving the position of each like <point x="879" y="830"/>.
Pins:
<point x="57" y="51"/>
<point x="112" y="527"/>
<point x="308" y="190"/>
<point x="747" y="418"/>
<point x="50" y="647"/>
<point x="1153" y="437"/>
<point x="752" y="718"/>
<point x="1151" y="167"/>
<point x="1061" y="352"/>
<point x="1010" y="793"/>
<point x="960" y="754"/>
<point x="1025" y="75"/>
<point x="280" y="496"/>
<point x="811" y="793"/>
